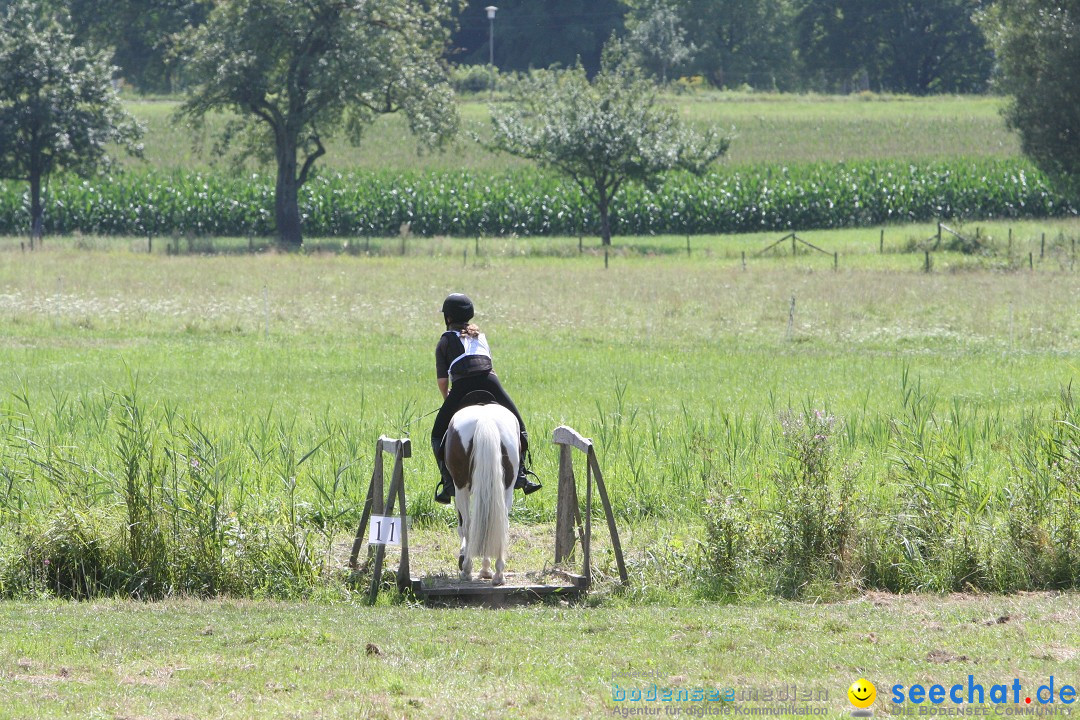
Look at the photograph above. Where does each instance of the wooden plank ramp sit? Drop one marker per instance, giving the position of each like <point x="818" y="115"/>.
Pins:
<point x="519" y="588"/>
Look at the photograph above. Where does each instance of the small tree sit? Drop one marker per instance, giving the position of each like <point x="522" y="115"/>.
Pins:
<point x="1038" y="53"/>
<point x="58" y="108"/>
<point x="296" y="71"/>
<point x="601" y="134"/>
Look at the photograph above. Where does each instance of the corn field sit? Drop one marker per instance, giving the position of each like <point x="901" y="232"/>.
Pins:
<point x="466" y="204"/>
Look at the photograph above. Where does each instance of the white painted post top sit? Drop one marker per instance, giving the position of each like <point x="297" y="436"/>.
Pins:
<point x="564" y="435"/>
<point x="390" y="445"/>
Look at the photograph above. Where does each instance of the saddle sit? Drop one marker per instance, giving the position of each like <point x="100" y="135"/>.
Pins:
<point x="478" y="397"/>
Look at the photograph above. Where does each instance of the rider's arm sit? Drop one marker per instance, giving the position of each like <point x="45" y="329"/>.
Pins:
<point x="442" y="369"/>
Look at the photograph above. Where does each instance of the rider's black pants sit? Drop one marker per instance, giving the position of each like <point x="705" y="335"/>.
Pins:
<point x="455" y="400"/>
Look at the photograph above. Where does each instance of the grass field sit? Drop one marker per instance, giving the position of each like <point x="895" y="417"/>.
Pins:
<point x="770" y="129"/>
<point x="682" y="368"/>
<point x="275" y="660"/>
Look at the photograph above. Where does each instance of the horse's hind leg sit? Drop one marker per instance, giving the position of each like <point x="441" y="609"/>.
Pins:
<point x="500" y="562"/>
<point x="461" y="502"/>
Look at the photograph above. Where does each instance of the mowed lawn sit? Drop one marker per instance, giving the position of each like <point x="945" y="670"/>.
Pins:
<point x="232" y="659"/>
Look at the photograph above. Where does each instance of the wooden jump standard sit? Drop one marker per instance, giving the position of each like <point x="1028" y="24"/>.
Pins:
<point x="374" y="505"/>
<point x="567" y="515"/>
<point x="568" y="528"/>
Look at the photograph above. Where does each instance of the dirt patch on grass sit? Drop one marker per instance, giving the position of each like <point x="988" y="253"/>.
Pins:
<point x="944" y="656"/>
<point x="62" y="675"/>
<point x="157" y="677"/>
<point x="1057" y="653"/>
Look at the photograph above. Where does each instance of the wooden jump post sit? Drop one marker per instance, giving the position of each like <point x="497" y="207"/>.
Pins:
<point x="568" y="522"/>
<point x="568" y="516"/>
<point x="943" y="228"/>
<point x="794" y="238"/>
<point x="375" y="505"/>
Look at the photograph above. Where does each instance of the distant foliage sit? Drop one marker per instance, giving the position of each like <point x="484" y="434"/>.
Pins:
<point x="658" y="40"/>
<point x="1039" y="57"/>
<point x="743" y="42"/>
<point x="530" y="34"/>
<point x="533" y="203"/>
<point x="909" y="46"/>
<point x="467" y="79"/>
<point x="140" y="35"/>
<point x="905" y="46"/>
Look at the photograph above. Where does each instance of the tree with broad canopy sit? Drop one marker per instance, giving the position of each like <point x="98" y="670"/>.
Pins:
<point x="295" y="71"/>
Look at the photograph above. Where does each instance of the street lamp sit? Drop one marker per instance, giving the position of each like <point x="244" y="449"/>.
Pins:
<point x="491" y="10"/>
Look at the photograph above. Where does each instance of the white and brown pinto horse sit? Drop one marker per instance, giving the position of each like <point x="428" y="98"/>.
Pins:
<point x="482" y="457"/>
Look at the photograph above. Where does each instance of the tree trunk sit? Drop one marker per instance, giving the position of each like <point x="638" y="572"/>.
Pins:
<point x="605" y="219"/>
<point x="286" y="204"/>
<point x="37" y="215"/>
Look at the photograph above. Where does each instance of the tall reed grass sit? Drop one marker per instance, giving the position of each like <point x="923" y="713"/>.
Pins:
<point x="113" y="494"/>
<point x="941" y="522"/>
<point x="118" y="496"/>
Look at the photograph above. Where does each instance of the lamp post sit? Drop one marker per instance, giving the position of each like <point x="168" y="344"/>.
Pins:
<point x="491" y="10"/>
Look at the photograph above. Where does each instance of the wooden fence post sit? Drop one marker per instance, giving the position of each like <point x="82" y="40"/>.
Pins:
<point x="566" y="503"/>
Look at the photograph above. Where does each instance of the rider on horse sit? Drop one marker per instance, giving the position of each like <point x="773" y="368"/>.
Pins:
<point x="463" y="358"/>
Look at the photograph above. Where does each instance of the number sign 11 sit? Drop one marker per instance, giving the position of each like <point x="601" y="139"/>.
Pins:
<point x="384" y="530"/>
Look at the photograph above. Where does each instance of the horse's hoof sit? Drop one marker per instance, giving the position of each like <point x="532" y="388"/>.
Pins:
<point x="466" y="576"/>
<point x="498" y="580"/>
<point x="485" y="574"/>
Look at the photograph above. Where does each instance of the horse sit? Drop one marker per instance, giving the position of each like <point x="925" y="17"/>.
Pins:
<point x="481" y="452"/>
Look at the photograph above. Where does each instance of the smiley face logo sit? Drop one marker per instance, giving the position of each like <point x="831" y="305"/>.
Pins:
<point x="862" y="693"/>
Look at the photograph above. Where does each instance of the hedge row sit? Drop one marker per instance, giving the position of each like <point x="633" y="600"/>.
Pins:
<point x="535" y="203"/>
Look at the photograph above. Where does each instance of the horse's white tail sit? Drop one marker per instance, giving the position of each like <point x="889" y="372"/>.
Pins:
<point x="489" y="526"/>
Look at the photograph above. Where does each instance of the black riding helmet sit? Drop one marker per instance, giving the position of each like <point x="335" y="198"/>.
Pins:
<point x="457" y="307"/>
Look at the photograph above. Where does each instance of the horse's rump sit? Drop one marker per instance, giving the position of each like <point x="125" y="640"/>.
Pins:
<point x="482" y="457"/>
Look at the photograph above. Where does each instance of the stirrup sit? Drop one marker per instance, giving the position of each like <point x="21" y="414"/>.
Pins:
<point x="443" y="494"/>
<point x="527" y="486"/>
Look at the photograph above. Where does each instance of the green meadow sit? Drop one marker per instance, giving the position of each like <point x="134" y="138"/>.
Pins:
<point x="696" y="374"/>
<point x="765" y="129"/>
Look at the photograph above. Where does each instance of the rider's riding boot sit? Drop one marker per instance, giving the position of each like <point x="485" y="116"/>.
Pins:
<point x="445" y="489"/>
<point x="523" y="481"/>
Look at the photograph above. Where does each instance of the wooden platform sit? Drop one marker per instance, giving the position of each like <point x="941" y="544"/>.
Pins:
<point x="519" y="588"/>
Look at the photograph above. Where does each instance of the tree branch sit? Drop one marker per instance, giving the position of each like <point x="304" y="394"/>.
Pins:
<point x="310" y="159"/>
